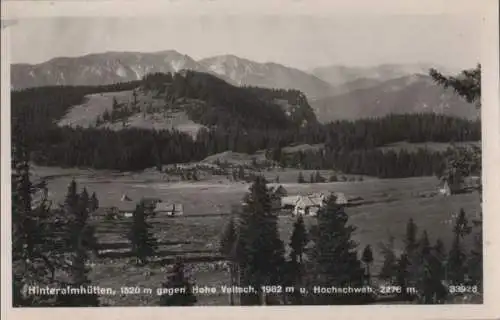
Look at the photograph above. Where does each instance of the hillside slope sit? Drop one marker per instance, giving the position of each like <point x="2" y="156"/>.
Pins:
<point x="267" y="75"/>
<point x="188" y="101"/>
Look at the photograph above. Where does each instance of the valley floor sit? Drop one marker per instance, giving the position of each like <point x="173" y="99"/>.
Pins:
<point x="383" y="208"/>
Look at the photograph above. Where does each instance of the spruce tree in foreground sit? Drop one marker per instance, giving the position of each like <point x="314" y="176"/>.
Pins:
<point x="80" y="239"/>
<point x="228" y="247"/>
<point x="335" y="260"/>
<point x="31" y="265"/>
<point x="260" y="250"/>
<point x="388" y="270"/>
<point x="177" y="280"/>
<point x="295" y="270"/>
<point x="456" y="266"/>
<point x="367" y="258"/>
<point x="298" y="240"/>
<point x="143" y="242"/>
<point x="430" y="286"/>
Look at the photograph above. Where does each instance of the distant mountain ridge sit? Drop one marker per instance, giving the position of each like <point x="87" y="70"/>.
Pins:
<point x="408" y="94"/>
<point x="338" y="75"/>
<point x="114" y="67"/>
<point x="266" y="75"/>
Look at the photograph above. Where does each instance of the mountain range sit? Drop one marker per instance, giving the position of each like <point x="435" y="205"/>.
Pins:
<point x="113" y="67"/>
<point x="334" y="92"/>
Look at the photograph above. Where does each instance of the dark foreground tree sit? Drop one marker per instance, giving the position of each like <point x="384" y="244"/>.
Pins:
<point x="143" y="242"/>
<point x="31" y="265"/>
<point x="456" y="266"/>
<point x="295" y="269"/>
<point x="413" y="259"/>
<point x="80" y="238"/>
<point x="430" y="286"/>
<point x="388" y="270"/>
<point x="467" y="84"/>
<point x="367" y="258"/>
<point x="335" y="261"/>
<point x="228" y="248"/>
<point x="260" y="250"/>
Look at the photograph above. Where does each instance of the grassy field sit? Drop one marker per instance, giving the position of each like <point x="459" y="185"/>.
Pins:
<point x="95" y="105"/>
<point x="429" y="146"/>
<point x="386" y="207"/>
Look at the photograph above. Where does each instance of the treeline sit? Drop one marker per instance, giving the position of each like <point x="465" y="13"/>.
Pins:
<point x="137" y="149"/>
<point x="125" y="150"/>
<point x="325" y="256"/>
<point x="377" y="132"/>
<point x="371" y="162"/>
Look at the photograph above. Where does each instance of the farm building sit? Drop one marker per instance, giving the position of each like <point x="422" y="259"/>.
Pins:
<point x="289" y="202"/>
<point x="341" y="199"/>
<point x="310" y="204"/>
<point x="170" y="209"/>
<point x="445" y="189"/>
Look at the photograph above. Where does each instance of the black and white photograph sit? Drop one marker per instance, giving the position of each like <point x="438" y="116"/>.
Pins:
<point x="245" y="159"/>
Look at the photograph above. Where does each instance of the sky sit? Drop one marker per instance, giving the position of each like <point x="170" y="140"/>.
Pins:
<point x="302" y="42"/>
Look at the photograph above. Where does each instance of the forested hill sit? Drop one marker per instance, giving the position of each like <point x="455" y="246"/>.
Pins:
<point x="214" y="102"/>
<point x="203" y="98"/>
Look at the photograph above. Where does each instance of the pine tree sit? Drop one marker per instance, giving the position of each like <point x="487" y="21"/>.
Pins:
<point x="94" y="203"/>
<point x="143" y="242"/>
<point x="241" y="173"/>
<point x="475" y="262"/>
<point x="80" y="238"/>
<point x="388" y="270"/>
<point x="335" y="255"/>
<point x="301" y="179"/>
<point x="86" y="205"/>
<point x="456" y="266"/>
<point x="115" y="105"/>
<point x="228" y="248"/>
<point x="430" y="286"/>
<point x="295" y="268"/>
<point x="402" y="274"/>
<point x="411" y="254"/>
<point x="260" y="250"/>
<point x="184" y="293"/>
<point x="367" y="258"/>
<point x="30" y="263"/>
<point x="298" y="240"/>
